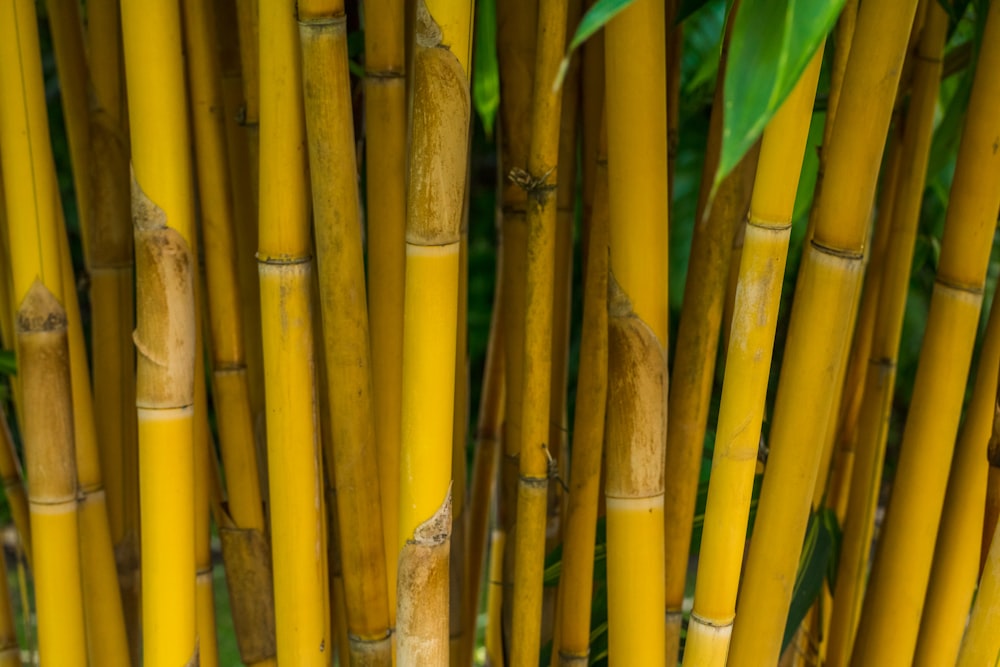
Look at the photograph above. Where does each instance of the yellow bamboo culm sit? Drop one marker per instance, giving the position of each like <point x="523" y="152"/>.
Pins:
<point x="956" y="555"/>
<point x="636" y="432"/>
<point x="43" y="353"/>
<point x="165" y="344"/>
<point x="540" y="181"/>
<point x="435" y="200"/>
<point x="577" y="577"/>
<point x="329" y="124"/>
<point x="242" y="528"/>
<point x="385" y="143"/>
<point x="748" y="363"/>
<point x="285" y="269"/>
<point x="818" y="335"/>
<point x="895" y="596"/>
<point x="873" y="418"/>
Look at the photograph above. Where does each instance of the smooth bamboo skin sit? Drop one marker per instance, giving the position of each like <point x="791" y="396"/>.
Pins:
<point x="43" y="353"/>
<point x="955" y="572"/>
<point x="104" y="53"/>
<point x="577" y="578"/>
<point x="873" y="420"/>
<point x="494" y="601"/>
<point x="981" y="644"/>
<point x="992" y="496"/>
<point x="541" y="183"/>
<point x="484" y="466"/>
<point x="294" y="475"/>
<point x="459" y="452"/>
<point x="748" y="363"/>
<point x="244" y="510"/>
<point x="817" y="336"/>
<point x="895" y="595"/>
<point x="71" y="64"/>
<point x="435" y="201"/>
<point x="385" y="143"/>
<point x="329" y="124"/>
<point x="636" y="432"/>
<point x="636" y="98"/>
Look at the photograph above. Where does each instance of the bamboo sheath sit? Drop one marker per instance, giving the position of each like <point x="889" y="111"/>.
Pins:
<point x="873" y="420"/>
<point x="636" y="425"/>
<point x="385" y="142"/>
<point x="748" y="365"/>
<point x="817" y="337"/>
<point x="955" y="571"/>
<point x="577" y="577"/>
<point x="43" y="352"/>
<point x="895" y="596"/>
<point x="435" y="199"/>
<point x="285" y="268"/>
<point x="540" y="181"/>
<point x="329" y="124"/>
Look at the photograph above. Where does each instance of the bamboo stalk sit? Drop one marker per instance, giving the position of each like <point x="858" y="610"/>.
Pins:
<point x="459" y="450"/>
<point x="981" y="644"/>
<point x="895" y="596"/>
<point x="385" y="142"/>
<point x="104" y="51"/>
<point x="329" y="125"/>
<point x="817" y="337"/>
<point x="954" y="574"/>
<point x="285" y="268"/>
<point x="577" y="577"/>
<point x="873" y="421"/>
<point x="43" y="351"/>
<point x="748" y="364"/>
<point x="540" y="181"/>
<point x="12" y="479"/>
<point x="636" y="425"/>
<point x="439" y="157"/>
<point x="10" y="651"/>
<point x="242" y="528"/>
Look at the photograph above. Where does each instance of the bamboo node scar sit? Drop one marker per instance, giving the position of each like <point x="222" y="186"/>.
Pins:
<point x="536" y="188"/>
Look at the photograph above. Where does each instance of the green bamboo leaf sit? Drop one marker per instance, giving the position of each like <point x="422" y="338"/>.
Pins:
<point x="771" y="44"/>
<point x="596" y="18"/>
<point x="485" y="70"/>
<point x="818" y="550"/>
<point x="8" y="362"/>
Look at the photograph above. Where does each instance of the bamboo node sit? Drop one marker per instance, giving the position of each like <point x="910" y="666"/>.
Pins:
<point x="537" y="188"/>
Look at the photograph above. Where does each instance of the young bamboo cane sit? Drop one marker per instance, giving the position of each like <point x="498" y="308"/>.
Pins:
<point x="873" y="420"/>
<point x="540" y="181"/>
<point x="577" y="577"/>
<point x="242" y="528"/>
<point x="636" y="431"/>
<point x="956" y="554"/>
<point x="385" y="142"/>
<point x="439" y="156"/>
<point x="43" y="352"/>
<point x="326" y="81"/>
<point x="748" y="365"/>
<point x="817" y="336"/>
<point x="981" y="644"/>
<point x="895" y="596"/>
<point x="285" y="268"/>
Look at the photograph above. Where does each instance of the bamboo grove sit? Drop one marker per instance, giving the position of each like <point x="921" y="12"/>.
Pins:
<point x="509" y="332"/>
